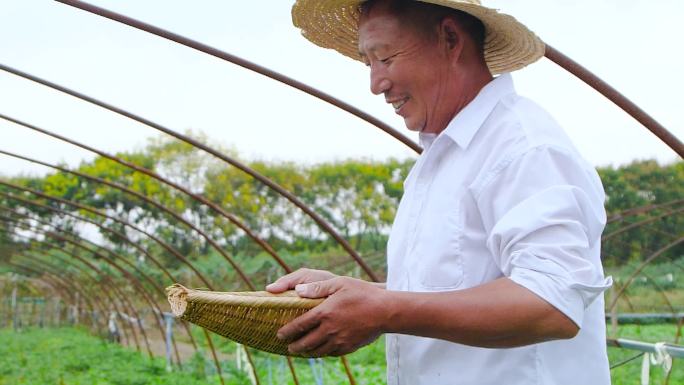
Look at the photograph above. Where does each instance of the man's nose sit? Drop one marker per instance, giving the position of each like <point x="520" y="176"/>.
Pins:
<point x="379" y="83"/>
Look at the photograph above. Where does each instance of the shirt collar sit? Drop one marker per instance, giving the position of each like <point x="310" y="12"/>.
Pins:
<point x="465" y="124"/>
<point x="426" y="140"/>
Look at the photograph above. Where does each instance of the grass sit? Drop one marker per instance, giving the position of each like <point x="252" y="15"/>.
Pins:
<point x="71" y="356"/>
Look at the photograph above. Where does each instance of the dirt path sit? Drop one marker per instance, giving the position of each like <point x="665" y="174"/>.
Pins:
<point x="158" y="345"/>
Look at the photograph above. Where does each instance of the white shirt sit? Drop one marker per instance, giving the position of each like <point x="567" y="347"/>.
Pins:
<point x="502" y="192"/>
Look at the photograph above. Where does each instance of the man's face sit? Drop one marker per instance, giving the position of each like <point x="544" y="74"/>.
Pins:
<point x="409" y="68"/>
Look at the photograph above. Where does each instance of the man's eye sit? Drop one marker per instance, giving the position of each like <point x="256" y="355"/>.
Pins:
<point x="387" y="59"/>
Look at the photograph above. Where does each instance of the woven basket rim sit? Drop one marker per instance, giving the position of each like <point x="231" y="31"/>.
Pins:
<point x="179" y="295"/>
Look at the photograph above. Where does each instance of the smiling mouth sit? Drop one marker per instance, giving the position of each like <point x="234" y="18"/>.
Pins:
<point x="398" y="104"/>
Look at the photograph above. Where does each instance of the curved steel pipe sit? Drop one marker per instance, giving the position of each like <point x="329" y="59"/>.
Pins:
<point x="130" y="308"/>
<point x="96" y="212"/>
<point x="176" y="186"/>
<point x="159" y="241"/>
<point x="264" y="180"/>
<point x="209" y="342"/>
<point x="58" y="287"/>
<point x="89" y="209"/>
<point x="128" y="275"/>
<point x="616" y="97"/>
<point x="640" y="223"/>
<point x="163" y="244"/>
<point x="132" y="341"/>
<point x="96" y="283"/>
<point x="61" y="296"/>
<point x="104" y="228"/>
<point x="551" y="53"/>
<point x="640" y="210"/>
<point x="641" y="267"/>
<point x="153" y="202"/>
<point x="60" y="283"/>
<point x="75" y="284"/>
<point x="247" y="65"/>
<point x="115" y="233"/>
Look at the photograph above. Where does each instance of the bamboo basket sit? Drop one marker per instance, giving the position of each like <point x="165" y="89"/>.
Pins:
<point x="250" y="318"/>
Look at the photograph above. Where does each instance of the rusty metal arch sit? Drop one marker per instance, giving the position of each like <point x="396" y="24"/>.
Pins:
<point x="132" y="339"/>
<point x="161" y="267"/>
<point x="643" y="264"/>
<point x="59" y="285"/>
<point x="671" y="146"/>
<point x="609" y="237"/>
<point x="166" y="246"/>
<point x="128" y="276"/>
<point x="291" y="366"/>
<point x="620" y="216"/>
<point x="152" y="174"/>
<point x="75" y="287"/>
<point x="98" y="271"/>
<point x="161" y="242"/>
<point x="121" y="236"/>
<point x="551" y="53"/>
<point x="151" y="201"/>
<point x="59" y="282"/>
<point x="262" y="179"/>
<point x="646" y="221"/>
<point x="245" y="64"/>
<point x="97" y="284"/>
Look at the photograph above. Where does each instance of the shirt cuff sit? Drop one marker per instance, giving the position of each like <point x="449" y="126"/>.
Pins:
<point x="571" y="298"/>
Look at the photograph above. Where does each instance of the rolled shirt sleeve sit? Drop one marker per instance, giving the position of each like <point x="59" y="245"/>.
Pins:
<point x="544" y="215"/>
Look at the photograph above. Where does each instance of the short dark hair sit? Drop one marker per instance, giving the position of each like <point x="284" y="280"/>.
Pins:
<point x="428" y="15"/>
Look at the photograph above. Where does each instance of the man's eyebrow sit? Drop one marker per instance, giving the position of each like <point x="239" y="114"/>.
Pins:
<point x="372" y="48"/>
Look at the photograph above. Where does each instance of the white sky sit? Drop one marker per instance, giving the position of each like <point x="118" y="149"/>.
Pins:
<point x="635" y="45"/>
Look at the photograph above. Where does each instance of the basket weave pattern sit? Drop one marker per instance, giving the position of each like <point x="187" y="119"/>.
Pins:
<point x="249" y="318"/>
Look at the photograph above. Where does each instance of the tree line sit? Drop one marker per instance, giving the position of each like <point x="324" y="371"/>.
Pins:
<point x="358" y="197"/>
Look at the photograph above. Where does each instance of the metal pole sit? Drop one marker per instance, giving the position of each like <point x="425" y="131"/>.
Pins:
<point x="14" y="308"/>
<point x="322" y="223"/>
<point x="616" y="97"/>
<point x="175" y="252"/>
<point x="673" y="350"/>
<point x="168" y="318"/>
<point x="247" y="65"/>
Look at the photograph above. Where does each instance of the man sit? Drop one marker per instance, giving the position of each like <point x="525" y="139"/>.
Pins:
<point x="494" y="274"/>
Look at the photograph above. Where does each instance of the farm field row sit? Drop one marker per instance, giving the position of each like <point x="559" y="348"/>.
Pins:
<point x="71" y="356"/>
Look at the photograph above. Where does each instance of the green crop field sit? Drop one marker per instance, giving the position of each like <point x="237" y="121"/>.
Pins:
<point x="70" y="356"/>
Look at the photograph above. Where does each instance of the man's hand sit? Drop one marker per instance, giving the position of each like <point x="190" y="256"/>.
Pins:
<point x="289" y="281"/>
<point x="353" y="315"/>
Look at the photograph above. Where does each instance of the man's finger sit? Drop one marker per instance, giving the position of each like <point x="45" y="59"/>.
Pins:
<point x="298" y="327"/>
<point x="286" y="282"/>
<point x="278" y="286"/>
<point x="289" y="281"/>
<point x="328" y="348"/>
<point x="319" y="289"/>
<point x="309" y="343"/>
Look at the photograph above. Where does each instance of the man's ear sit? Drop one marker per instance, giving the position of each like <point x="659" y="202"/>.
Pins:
<point x="452" y="36"/>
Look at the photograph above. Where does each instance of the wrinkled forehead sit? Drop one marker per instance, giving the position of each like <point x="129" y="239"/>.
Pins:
<point x="377" y="30"/>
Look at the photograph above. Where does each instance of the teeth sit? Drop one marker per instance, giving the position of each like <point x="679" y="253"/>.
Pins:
<point x="397" y="105"/>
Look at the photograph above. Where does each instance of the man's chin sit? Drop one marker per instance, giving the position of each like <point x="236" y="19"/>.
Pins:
<point x="412" y="126"/>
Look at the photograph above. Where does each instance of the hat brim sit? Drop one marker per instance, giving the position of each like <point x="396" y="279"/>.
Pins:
<point x="508" y="46"/>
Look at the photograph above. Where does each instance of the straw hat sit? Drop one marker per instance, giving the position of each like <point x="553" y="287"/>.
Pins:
<point x="509" y="45"/>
